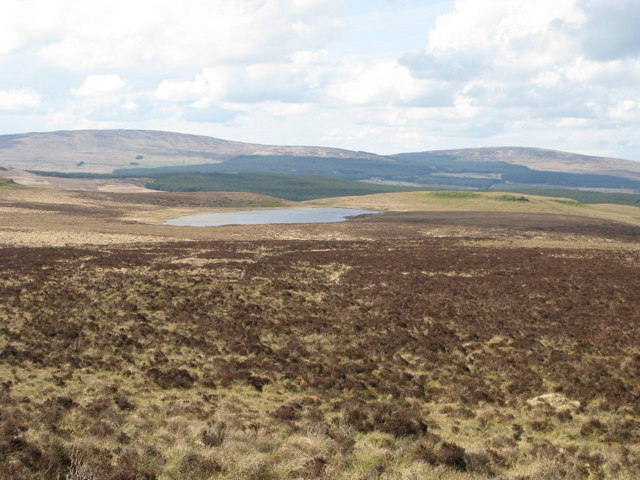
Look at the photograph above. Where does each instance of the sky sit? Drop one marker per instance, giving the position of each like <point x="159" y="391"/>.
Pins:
<point x="383" y="76"/>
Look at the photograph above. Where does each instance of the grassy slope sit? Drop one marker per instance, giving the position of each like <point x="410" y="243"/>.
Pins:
<point x="583" y="196"/>
<point x="482" y="201"/>
<point x="8" y="184"/>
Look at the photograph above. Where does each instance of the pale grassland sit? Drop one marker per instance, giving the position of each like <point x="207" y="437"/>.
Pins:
<point x="225" y="447"/>
<point x="483" y="202"/>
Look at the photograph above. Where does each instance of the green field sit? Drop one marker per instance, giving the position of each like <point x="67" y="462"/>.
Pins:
<point x="6" y="183"/>
<point x="582" y="196"/>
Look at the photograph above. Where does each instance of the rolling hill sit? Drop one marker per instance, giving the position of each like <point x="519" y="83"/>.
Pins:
<point x="105" y="150"/>
<point x="151" y="153"/>
<point x="539" y="159"/>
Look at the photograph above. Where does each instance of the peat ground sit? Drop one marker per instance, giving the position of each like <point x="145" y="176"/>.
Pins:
<point x="404" y="357"/>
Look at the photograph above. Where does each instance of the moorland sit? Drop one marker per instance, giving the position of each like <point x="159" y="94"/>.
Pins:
<point x="458" y="335"/>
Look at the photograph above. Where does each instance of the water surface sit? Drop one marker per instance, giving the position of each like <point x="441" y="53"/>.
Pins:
<point x="262" y="217"/>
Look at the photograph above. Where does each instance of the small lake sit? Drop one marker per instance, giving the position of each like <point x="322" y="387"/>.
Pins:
<point x="263" y="217"/>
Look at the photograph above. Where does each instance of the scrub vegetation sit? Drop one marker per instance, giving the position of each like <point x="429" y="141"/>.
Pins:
<point x="284" y="186"/>
<point x="299" y="187"/>
<point x="425" y="168"/>
<point x="582" y="196"/>
<point x="6" y="184"/>
<point x="289" y="187"/>
<point x="405" y="358"/>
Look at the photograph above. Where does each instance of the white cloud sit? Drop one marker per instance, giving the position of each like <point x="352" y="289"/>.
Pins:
<point x="20" y="99"/>
<point x="130" y="105"/>
<point x="379" y="76"/>
<point x="572" y="122"/>
<point x="11" y="35"/>
<point x="516" y="62"/>
<point x="121" y="33"/>
<point x="514" y="40"/>
<point x="25" y="23"/>
<point x="547" y="79"/>
<point x="625" y="111"/>
<point x="287" y="110"/>
<point x="209" y="86"/>
<point x="209" y="114"/>
<point x="287" y="82"/>
<point x="385" y="81"/>
<point x="611" y="31"/>
<point x="99" y="85"/>
<point x="511" y="34"/>
<point x="477" y="24"/>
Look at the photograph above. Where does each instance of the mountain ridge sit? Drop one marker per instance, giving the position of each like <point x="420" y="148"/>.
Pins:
<point x="102" y="151"/>
<point x="542" y="159"/>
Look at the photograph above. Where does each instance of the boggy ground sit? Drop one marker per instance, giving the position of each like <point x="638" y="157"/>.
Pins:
<point x="439" y="342"/>
<point x="403" y="357"/>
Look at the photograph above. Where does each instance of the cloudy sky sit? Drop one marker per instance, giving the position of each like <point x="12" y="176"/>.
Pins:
<point x="378" y="75"/>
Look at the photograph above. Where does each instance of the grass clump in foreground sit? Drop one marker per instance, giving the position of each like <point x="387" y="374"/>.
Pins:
<point x="406" y="359"/>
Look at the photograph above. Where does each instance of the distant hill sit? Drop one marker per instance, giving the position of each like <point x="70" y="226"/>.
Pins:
<point x="151" y="153"/>
<point x="539" y="159"/>
<point x="106" y="150"/>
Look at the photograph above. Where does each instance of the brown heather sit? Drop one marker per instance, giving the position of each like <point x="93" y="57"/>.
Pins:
<point x="391" y="359"/>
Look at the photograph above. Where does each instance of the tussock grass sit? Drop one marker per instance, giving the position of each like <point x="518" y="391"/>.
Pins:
<point x="305" y="359"/>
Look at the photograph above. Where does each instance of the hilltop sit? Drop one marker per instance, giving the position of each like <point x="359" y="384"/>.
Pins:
<point x="136" y="151"/>
<point x="540" y="159"/>
<point x="105" y="150"/>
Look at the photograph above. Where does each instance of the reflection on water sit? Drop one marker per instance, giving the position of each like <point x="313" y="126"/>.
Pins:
<point x="261" y="217"/>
